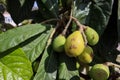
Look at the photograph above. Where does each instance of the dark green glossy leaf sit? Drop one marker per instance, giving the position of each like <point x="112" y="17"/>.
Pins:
<point x="15" y="66"/>
<point x="34" y="49"/>
<point x="47" y="69"/>
<point x="67" y="68"/>
<point x="48" y="6"/>
<point x="52" y="5"/>
<point x="13" y="37"/>
<point x="105" y="50"/>
<point x="99" y="14"/>
<point x="95" y="14"/>
<point x="81" y="10"/>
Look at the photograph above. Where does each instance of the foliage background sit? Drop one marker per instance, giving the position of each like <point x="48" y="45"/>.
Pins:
<point x="34" y="41"/>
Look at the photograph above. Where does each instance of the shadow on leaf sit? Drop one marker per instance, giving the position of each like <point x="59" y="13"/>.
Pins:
<point x="69" y="61"/>
<point x="50" y="61"/>
<point x="75" y="78"/>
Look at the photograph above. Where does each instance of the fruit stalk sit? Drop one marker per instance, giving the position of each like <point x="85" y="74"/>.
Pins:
<point x="66" y="27"/>
<point x="82" y="27"/>
<point x="112" y="64"/>
<point x="50" y="38"/>
<point x="49" y="20"/>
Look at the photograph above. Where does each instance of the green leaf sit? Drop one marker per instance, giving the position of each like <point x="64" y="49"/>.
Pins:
<point x="99" y="15"/>
<point x="3" y="1"/>
<point x="14" y="37"/>
<point x="105" y="50"/>
<point x="48" y="6"/>
<point x="52" y="6"/>
<point x="34" y="49"/>
<point x="22" y="2"/>
<point x="80" y="10"/>
<point x="67" y="68"/>
<point x="15" y="66"/>
<point x="94" y="13"/>
<point x="47" y="69"/>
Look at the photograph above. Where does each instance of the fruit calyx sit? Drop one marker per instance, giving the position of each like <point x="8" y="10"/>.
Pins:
<point x="99" y="72"/>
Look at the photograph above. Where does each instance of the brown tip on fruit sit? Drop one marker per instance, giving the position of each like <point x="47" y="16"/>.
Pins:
<point x="92" y="55"/>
